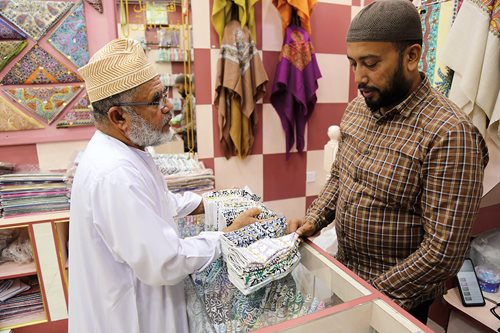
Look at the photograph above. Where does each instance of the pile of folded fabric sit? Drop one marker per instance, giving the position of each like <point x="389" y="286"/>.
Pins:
<point x="260" y="253"/>
<point x="32" y="192"/>
<point x="223" y="206"/>
<point x="28" y="301"/>
<point x="182" y="172"/>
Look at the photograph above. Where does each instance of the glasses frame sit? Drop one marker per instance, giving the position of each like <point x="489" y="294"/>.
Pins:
<point x="161" y="102"/>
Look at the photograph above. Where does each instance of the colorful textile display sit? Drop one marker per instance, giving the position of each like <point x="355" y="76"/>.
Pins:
<point x="222" y="14"/>
<point x="302" y="7"/>
<point x="79" y="115"/>
<point x="9" y="49"/>
<point x="48" y="102"/>
<point x="240" y="82"/>
<point x="34" y="17"/>
<point x="8" y="32"/>
<point x="13" y="119"/>
<point x="70" y="37"/>
<point x="295" y="85"/>
<point x="96" y="4"/>
<point x="38" y="66"/>
<point x="472" y="50"/>
<point x="436" y="23"/>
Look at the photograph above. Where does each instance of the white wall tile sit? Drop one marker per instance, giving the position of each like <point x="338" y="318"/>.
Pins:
<point x="201" y="14"/>
<point x="294" y="207"/>
<point x="205" y="131"/>
<point x="337" y="2"/>
<point x="58" y="155"/>
<point x="272" y="34"/>
<point x="334" y="85"/>
<point x="239" y="173"/>
<point x="315" y="164"/>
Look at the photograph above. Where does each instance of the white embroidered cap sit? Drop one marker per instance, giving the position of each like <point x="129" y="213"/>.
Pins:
<point x="117" y="67"/>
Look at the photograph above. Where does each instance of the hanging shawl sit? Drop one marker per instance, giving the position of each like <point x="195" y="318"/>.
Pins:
<point x="295" y="85"/>
<point x="472" y="50"/>
<point x="240" y="82"/>
<point x="221" y="14"/>
<point x="303" y="8"/>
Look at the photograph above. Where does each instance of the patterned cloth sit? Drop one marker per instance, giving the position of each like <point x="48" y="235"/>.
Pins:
<point x="13" y="119"/>
<point x="38" y="66"/>
<point x="472" y="50"/>
<point x="295" y="85"/>
<point x="48" y="102"/>
<point x="240" y="82"/>
<point x="34" y="17"/>
<point x="7" y="32"/>
<point x="80" y="115"/>
<point x="70" y="37"/>
<point x="404" y="190"/>
<point x="96" y="4"/>
<point x="9" y="49"/>
<point x="436" y="23"/>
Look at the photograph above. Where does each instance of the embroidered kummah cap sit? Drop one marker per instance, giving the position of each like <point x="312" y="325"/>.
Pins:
<point x="119" y="66"/>
<point x="386" y="21"/>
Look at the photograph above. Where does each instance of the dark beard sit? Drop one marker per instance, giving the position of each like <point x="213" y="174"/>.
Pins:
<point x="394" y="95"/>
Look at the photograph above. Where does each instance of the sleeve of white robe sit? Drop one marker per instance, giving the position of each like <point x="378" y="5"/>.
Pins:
<point x="185" y="203"/>
<point x="126" y="220"/>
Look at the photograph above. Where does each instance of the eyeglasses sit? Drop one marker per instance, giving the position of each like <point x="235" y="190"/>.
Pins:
<point x="161" y="103"/>
<point x="494" y="312"/>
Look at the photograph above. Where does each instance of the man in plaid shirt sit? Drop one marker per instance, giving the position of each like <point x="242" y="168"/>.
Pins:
<point x="407" y="181"/>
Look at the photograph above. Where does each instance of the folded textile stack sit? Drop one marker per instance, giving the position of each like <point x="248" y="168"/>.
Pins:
<point x="23" y="304"/>
<point x="6" y="168"/>
<point x="258" y="254"/>
<point x="223" y="206"/>
<point x="10" y="288"/>
<point x="30" y="193"/>
<point x="184" y="173"/>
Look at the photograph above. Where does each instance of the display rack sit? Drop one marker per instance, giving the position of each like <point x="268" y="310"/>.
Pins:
<point x="46" y="267"/>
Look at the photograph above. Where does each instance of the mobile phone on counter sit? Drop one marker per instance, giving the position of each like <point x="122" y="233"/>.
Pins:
<point x="468" y="285"/>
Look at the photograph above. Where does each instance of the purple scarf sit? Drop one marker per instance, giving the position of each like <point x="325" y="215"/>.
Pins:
<point x="295" y="84"/>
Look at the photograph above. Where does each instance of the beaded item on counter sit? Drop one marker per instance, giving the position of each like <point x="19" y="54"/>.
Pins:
<point x="70" y="37"/>
<point x="96" y="4"/>
<point x="13" y="119"/>
<point x="80" y="115"/>
<point x="38" y="66"/>
<point x="9" y="49"/>
<point x="44" y="102"/>
<point x="8" y="32"/>
<point x="35" y="17"/>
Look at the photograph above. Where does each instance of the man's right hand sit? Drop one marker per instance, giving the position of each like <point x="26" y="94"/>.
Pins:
<point x="301" y="227"/>
<point x="247" y="217"/>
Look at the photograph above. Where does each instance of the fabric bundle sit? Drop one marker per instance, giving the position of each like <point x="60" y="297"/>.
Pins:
<point x="303" y="9"/>
<point x="295" y="84"/>
<point x="255" y="257"/>
<point x="472" y="50"/>
<point x="240" y="82"/>
<point x="31" y="193"/>
<point x="23" y="304"/>
<point x="223" y="206"/>
<point x="184" y="173"/>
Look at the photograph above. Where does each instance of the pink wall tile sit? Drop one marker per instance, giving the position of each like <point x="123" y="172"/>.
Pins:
<point x="284" y="179"/>
<point x="324" y="115"/>
<point x="270" y="60"/>
<point x="21" y="155"/>
<point x="329" y="27"/>
<point x="208" y="162"/>
<point x="202" y="76"/>
<point x="309" y="200"/>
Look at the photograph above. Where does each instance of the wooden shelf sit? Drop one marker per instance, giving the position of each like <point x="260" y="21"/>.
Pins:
<point x="30" y="319"/>
<point x="10" y="270"/>
<point x="37" y="217"/>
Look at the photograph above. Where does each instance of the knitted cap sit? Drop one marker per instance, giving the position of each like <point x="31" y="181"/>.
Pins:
<point x="119" y="66"/>
<point x="386" y="21"/>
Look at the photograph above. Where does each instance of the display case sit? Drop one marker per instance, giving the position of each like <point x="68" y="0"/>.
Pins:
<point x="43" y="274"/>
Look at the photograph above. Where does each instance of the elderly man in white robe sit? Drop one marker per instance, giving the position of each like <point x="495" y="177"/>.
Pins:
<point x="127" y="261"/>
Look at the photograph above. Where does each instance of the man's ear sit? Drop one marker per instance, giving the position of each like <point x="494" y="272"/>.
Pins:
<point x="118" y="118"/>
<point x="413" y="54"/>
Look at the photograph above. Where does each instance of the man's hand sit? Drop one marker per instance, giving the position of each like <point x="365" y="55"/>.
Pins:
<point x="245" y="218"/>
<point x="301" y="227"/>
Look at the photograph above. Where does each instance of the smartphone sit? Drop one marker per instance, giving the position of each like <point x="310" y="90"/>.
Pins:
<point x="470" y="292"/>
